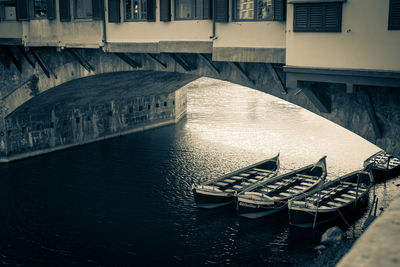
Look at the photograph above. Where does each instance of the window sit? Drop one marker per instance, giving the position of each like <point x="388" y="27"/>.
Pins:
<point x="8" y="11"/>
<point x="318" y="17"/>
<point x="253" y="10"/>
<point x="39" y="8"/>
<point x="394" y="15"/>
<point x="135" y="10"/>
<point x="192" y="9"/>
<point x="250" y="10"/>
<point x="83" y="9"/>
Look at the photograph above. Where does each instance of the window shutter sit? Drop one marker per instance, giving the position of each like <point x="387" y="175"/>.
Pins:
<point x="221" y="10"/>
<point x="114" y="12"/>
<point x="22" y="10"/>
<point x="65" y="10"/>
<point x="207" y="9"/>
<point x="279" y="10"/>
<point x="319" y="17"/>
<point x="300" y="17"/>
<point x="333" y="16"/>
<point x="165" y="10"/>
<point x="98" y="9"/>
<point x="315" y="16"/>
<point x="151" y="10"/>
<point x="51" y="9"/>
<point x="394" y="15"/>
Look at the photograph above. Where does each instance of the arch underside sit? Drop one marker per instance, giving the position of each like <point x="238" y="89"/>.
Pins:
<point x="362" y="112"/>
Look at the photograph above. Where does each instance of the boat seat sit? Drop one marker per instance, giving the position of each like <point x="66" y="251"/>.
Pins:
<point x="333" y="204"/>
<point x="261" y="170"/>
<point x="244" y="174"/>
<point x="341" y="200"/>
<point x="306" y="184"/>
<point x="221" y="184"/>
<point x="253" y="180"/>
<point x="229" y="190"/>
<point x="259" y="177"/>
<point x="285" y="194"/>
<point x="306" y="176"/>
<point x="229" y="181"/>
<point x="292" y="190"/>
<point x="281" y="183"/>
<point x="245" y="183"/>
<point x="300" y="187"/>
<point x="237" y="186"/>
<point x="236" y="177"/>
<point x="348" y="196"/>
<point x="272" y="186"/>
<point x="265" y="190"/>
<point x="252" y="172"/>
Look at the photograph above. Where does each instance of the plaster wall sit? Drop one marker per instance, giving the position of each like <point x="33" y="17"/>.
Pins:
<point x="364" y="42"/>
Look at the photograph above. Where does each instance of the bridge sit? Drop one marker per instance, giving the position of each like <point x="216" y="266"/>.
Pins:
<point x="74" y="72"/>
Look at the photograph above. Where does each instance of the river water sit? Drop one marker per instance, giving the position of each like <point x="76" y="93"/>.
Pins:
<point x="127" y="201"/>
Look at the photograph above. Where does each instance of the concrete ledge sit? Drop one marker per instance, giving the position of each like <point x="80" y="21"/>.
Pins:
<point x="150" y="47"/>
<point x="186" y="47"/>
<point x="249" y="54"/>
<point x="379" y="245"/>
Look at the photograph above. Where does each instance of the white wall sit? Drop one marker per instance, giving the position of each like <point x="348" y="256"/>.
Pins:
<point x="234" y="34"/>
<point x="10" y="29"/>
<point x="364" y="43"/>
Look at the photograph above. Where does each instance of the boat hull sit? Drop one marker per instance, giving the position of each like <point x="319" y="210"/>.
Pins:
<point x="381" y="175"/>
<point x="210" y="200"/>
<point x="255" y="211"/>
<point x="304" y="218"/>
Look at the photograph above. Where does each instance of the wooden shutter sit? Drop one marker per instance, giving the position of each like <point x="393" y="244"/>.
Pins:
<point x="300" y="18"/>
<point x="51" y="9"/>
<point x="394" y="15"/>
<point x="65" y="10"/>
<point x="279" y="10"/>
<point x="98" y="9"/>
<point x="315" y="16"/>
<point x="221" y="10"/>
<point x="22" y="10"/>
<point x="114" y="12"/>
<point x="151" y="10"/>
<point x="165" y="10"/>
<point x="333" y="16"/>
<point x="319" y="17"/>
<point x="207" y="9"/>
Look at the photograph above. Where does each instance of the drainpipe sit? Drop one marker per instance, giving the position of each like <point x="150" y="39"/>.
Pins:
<point x="213" y="37"/>
<point x="104" y="26"/>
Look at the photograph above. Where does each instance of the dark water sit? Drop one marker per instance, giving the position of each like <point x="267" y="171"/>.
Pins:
<point x="127" y="201"/>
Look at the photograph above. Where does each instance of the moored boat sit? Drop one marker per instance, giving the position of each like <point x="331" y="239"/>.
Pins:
<point x="332" y="201"/>
<point x="384" y="165"/>
<point x="222" y="191"/>
<point x="271" y="196"/>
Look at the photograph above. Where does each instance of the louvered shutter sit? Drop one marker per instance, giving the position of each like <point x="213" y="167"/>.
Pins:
<point x="279" y="10"/>
<point x="333" y="17"/>
<point x="207" y="9"/>
<point x="320" y="17"/>
<point x="300" y="18"/>
<point x="165" y="10"/>
<point x="114" y="12"/>
<point x="394" y="15"/>
<point x="98" y="9"/>
<point x="221" y="10"/>
<point x="151" y="10"/>
<point x="315" y="19"/>
<point x="65" y="10"/>
<point x="51" y="9"/>
<point x="22" y="10"/>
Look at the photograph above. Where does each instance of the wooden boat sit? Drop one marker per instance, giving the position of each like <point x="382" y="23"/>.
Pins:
<point x="384" y="166"/>
<point x="222" y="191"/>
<point x="332" y="201"/>
<point x="272" y="195"/>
